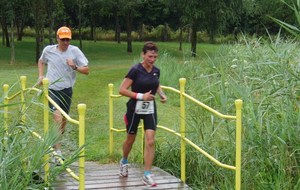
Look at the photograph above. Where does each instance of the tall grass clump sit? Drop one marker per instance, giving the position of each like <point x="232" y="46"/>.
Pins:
<point x="21" y="152"/>
<point x="265" y="75"/>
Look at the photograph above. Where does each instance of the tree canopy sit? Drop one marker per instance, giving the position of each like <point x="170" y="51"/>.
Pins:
<point x="213" y="17"/>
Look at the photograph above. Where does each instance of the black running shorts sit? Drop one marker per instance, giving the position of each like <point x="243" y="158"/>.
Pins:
<point x="63" y="98"/>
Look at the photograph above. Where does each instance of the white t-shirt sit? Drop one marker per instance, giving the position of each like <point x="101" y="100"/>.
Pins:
<point x="59" y="73"/>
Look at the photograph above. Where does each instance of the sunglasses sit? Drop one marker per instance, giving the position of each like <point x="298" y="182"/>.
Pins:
<point x="65" y="39"/>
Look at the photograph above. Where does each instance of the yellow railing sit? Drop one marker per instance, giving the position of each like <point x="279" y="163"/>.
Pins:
<point x="80" y="122"/>
<point x="181" y="135"/>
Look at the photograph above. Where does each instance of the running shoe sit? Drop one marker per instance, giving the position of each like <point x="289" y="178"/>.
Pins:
<point x="55" y="158"/>
<point x="123" y="169"/>
<point x="149" y="181"/>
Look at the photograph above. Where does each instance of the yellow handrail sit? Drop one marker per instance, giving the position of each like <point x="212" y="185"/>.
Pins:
<point x="199" y="149"/>
<point x="46" y="99"/>
<point x="183" y="139"/>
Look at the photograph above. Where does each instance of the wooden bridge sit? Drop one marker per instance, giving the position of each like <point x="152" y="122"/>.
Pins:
<point x="106" y="176"/>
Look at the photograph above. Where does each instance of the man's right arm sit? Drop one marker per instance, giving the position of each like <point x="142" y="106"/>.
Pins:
<point x="41" y="71"/>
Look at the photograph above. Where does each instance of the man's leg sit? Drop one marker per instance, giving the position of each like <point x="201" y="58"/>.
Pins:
<point x="61" y="123"/>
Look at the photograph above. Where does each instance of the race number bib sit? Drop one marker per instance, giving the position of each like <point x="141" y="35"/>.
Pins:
<point x="144" y="107"/>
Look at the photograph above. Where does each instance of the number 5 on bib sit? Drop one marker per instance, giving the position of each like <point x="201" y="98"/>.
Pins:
<point x="144" y="107"/>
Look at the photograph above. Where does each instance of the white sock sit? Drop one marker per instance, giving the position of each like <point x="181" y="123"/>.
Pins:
<point x="58" y="152"/>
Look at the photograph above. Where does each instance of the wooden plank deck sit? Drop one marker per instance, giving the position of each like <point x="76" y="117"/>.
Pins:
<point x="106" y="176"/>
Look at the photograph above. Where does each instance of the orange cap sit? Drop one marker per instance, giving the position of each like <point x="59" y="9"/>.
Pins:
<point x="64" y="32"/>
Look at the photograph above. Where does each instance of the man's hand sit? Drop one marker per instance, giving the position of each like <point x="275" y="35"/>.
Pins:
<point x="40" y="80"/>
<point x="71" y="63"/>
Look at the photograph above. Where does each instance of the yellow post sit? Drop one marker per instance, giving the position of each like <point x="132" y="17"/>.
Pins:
<point x="238" y="105"/>
<point x="81" y="111"/>
<point x="182" y="82"/>
<point x="111" y="122"/>
<point x="23" y="106"/>
<point x="46" y="124"/>
<point x="143" y="142"/>
<point x="23" y="86"/>
<point x="5" y="90"/>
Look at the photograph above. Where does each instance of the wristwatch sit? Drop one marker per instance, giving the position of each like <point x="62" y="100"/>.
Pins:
<point x="75" y="68"/>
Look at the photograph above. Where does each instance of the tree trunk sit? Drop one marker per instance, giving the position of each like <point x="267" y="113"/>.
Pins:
<point x="180" y="39"/>
<point x="50" y="4"/>
<point x="142" y="32"/>
<point x="6" y="37"/>
<point x="5" y="34"/>
<point x="117" y="28"/>
<point x="2" y="33"/>
<point x="93" y="32"/>
<point x="39" y="17"/>
<point x="79" y="25"/>
<point x="165" y="33"/>
<point x="39" y="41"/>
<point x="194" y="39"/>
<point x="212" y="38"/>
<point x="20" y="27"/>
<point x="12" y="45"/>
<point x="129" y="20"/>
<point x="211" y="33"/>
<point x="51" y="33"/>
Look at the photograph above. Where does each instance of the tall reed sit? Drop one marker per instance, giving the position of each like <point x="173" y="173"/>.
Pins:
<point x="22" y="153"/>
<point x="265" y="75"/>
